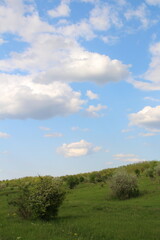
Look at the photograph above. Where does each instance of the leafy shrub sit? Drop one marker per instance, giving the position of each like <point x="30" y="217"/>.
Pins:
<point x="150" y="172"/>
<point x="157" y="169"/>
<point x="137" y="172"/>
<point x="22" y="202"/>
<point x="81" y="179"/>
<point x="95" y="177"/>
<point x="72" y="181"/>
<point x="123" y="185"/>
<point x="40" y="200"/>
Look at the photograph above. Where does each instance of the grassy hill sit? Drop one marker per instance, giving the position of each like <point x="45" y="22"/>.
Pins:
<point x="89" y="212"/>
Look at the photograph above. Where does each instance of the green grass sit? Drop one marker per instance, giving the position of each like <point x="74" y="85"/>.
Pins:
<point x="89" y="213"/>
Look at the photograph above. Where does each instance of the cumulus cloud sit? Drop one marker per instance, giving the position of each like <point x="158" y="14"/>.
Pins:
<point x="92" y="111"/>
<point x="91" y="95"/>
<point x="15" y="16"/>
<point x="49" y="54"/>
<point x="24" y="99"/>
<point x="42" y="90"/>
<point x="127" y="158"/>
<point x="4" y="135"/>
<point x="83" y="66"/>
<point x="77" y="149"/>
<point x="148" y="118"/>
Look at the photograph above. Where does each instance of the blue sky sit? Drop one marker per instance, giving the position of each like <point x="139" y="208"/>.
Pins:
<point x="79" y="85"/>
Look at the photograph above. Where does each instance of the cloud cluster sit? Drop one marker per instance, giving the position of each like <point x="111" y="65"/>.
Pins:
<point x="77" y="149"/>
<point x="148" y="118"/>
<point x="33" y="84"/>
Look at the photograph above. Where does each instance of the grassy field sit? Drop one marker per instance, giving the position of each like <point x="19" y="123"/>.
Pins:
<point x="89" y="213"/>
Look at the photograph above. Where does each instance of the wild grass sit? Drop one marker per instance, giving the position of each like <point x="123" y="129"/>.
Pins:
<point x="89" y="213"/>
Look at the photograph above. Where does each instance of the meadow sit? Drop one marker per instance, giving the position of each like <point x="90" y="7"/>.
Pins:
<point x="90" y="213"/>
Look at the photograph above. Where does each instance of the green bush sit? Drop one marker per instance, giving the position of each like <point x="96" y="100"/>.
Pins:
<point x="95" y="177"/>
<point x="150" y="172"/>
<point x="124" y="185"/>
<point x="137" y="172"/>
<point x="40" y="200"/>
<point x="157" y="169"/>
<point x="22" y="201"/>
<point x="72" y="181"/>
<point x="81" y="179"/>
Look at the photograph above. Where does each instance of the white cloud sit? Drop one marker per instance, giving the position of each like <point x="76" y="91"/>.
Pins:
<point x="83" y="66"/>
<point x="141" y="13"/>
<point x="74" y="128"/>
<point x="22" y="99"/>
<point x="53" y="135"/>
<point x="82" y="29"/>
<point x="49" y="54"/>
<point x="91" y="95"/>
<point x="2" y="41"/>
<point x="153" y="2"/>
<point x="62" y="10"/>
<point x="122" y="155"/>
<point x="103" y="17"/>
<point x="148" y="118"/>
<point x="77" y="149"/>
<point x="127" y="158"/>
<point x="15" y="16"/>
<point x="45" y="128"/>
<point x="92" y="111"/>
<point x="110" y="39"/>
<point x="44" y="87"/>
<point x="4" y="152"/>
<point x="126" y="130"/>
<point x="152" y="75"/>
<point x="152" y="99"/>
<point x="90" y="1"/>
<point x="147" y="134"/>
<point x="4" y="135"/>
<point x="80" y="129"/>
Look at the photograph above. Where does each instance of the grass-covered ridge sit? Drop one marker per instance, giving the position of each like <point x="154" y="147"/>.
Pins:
<point x="89" y="212"/>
